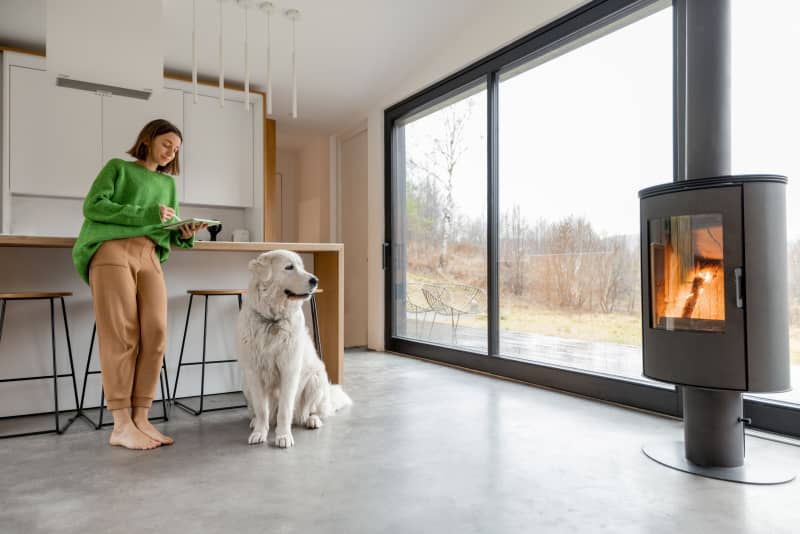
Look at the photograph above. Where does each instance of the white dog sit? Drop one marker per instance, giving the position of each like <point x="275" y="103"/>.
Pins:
<point x="284" y="380"/>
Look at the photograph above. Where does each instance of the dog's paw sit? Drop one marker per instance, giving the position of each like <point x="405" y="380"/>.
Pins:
<point x="313" y="421"/>
<point x="257" y="436"/>
<point x="284" y="441"/>
<point x="252" y="423"/>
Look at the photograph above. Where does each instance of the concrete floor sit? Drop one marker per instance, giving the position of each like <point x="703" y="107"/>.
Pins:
<point x="425" y="448"/>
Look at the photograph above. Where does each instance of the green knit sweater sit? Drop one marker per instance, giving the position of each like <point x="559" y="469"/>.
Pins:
<point x="124" y="202"/>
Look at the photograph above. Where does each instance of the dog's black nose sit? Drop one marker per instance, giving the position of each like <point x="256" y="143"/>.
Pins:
<point x="313" y="281"/>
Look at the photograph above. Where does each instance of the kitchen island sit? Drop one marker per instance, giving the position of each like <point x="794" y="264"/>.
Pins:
<point x="39" y="263"/>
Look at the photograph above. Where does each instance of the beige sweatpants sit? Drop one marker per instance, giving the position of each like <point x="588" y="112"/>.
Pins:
<point x="130" y="307"/>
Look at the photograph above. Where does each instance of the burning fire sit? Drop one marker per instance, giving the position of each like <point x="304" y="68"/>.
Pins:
<point x="698" y="296"/>
<point x="687" y="275"/>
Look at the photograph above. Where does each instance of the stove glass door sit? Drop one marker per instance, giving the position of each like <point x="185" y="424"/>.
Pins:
<point x="687" y="282"/>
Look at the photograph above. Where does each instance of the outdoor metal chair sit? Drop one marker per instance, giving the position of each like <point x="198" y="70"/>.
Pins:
<point x="416" y="304"/>
<point x="454" y="300"/>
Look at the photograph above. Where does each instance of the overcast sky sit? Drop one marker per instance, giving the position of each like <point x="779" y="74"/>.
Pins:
<point x="582" y="133"/>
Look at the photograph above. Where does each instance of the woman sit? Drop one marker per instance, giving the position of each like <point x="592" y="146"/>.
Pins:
<point x="119" y="253"/>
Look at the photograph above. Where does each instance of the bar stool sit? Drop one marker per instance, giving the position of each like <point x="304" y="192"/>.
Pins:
<point x="163" y="377"/>
<point x="51" y="296"/>
<point x="203" y="293"/>
<point x="224" y="292"/>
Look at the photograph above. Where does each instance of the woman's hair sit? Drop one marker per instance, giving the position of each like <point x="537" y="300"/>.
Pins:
<point x="151" y="130"/>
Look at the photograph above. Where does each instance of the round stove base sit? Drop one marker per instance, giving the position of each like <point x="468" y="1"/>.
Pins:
<point x="754" y="471"/>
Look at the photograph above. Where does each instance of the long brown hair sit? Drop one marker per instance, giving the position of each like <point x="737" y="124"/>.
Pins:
<point x="151" y="130"/>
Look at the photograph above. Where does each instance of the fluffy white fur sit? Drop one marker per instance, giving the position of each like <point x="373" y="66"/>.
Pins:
<point x="284" y="380"/>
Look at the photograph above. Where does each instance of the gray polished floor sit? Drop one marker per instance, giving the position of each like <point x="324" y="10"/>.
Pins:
<point x="425" y="448"/>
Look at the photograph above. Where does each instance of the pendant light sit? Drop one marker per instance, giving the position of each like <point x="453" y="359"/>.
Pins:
<point x="221" y="60"/>
<point x="194" y="50"/>
<point x="293" y="15"/>
<point x="246" y="62"/>
<point x="246" y="5"/>
<point x="267" y="7"/>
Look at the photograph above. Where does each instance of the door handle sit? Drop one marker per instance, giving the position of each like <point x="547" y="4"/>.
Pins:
<point x="738" y="277"/>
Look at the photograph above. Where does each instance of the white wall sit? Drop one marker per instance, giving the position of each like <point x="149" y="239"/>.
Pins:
<point x="353" y="196"/>
<point x="501" y="23"/>
<point x="286" y="162"/>
<point x="313" y="191"/>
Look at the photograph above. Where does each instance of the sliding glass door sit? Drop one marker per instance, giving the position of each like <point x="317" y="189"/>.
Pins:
<point x="580" y="134"/>
<point x="440" y="225"/>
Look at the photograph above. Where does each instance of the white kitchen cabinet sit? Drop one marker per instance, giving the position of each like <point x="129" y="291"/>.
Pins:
<point x="124" y="118"/>
<point x="54" y="136"/>
<point x="218" y="145"/>
<point x="54" y="141"/>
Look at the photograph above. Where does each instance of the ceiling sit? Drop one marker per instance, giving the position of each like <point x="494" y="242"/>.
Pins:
<point x="350" y="53"/>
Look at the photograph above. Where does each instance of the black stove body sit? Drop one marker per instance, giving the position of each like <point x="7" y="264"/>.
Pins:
<point x="714" y="283"/>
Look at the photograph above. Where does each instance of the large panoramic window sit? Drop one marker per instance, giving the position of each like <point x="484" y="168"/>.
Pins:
<point x="513" y="234"/>
<point x="512" y="225"/>
<point x="580" y="134"/>
<point x="765" y="115"/>
<point x="440" y="230"/>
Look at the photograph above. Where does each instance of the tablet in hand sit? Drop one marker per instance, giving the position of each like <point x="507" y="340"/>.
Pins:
<point x="175" y="224"/>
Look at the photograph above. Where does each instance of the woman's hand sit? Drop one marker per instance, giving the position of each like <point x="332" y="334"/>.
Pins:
<point x="188" y="229"/>
<point x="166" y="213"/>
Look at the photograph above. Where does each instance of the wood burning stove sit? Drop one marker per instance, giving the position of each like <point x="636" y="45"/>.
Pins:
<point x="715" y="315"/>
<point x="714" y="283"/>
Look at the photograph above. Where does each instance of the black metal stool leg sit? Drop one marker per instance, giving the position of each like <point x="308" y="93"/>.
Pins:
<point x="164" y="396"/>
<point x="175" y="400"/>
<point x="71" y="364"/>
<point x="55" y="369"/>
<point x="203" y="366"/>
<point x="315" y="323"/>
<point x="86" y="374"/>
<point x="166" y="376"/>
<point x="102" y="407"/>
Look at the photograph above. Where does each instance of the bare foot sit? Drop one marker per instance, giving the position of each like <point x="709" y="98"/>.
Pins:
<point x="147" y="427"/>
<point x="130" y="437"/>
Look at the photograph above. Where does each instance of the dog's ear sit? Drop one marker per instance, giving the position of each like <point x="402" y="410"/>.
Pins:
<point x="262" y="267"/>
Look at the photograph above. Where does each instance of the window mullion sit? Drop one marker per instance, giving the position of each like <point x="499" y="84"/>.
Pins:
<point x="493" y="211"/>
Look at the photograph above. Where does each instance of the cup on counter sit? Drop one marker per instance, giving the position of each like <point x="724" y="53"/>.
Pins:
<point x="241" y="235"/>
